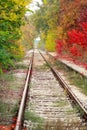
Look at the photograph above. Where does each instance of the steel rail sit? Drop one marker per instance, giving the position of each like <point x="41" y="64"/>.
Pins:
<point x="19" y="121"/>
<point x="67" y="88"/>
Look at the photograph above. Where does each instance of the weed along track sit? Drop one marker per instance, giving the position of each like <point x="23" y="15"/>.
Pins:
<point x="14" y="121"/>
<point x="49" y="107"/>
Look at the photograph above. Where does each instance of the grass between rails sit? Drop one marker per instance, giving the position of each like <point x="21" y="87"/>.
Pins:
<point x="60" y="125"/>
<point x="39" y="124"/>
<point x="43" y="67"/>
<point x="36" y="121"/>
<point x="60" y="103"/>
<point x="74" y="77"/>
<point x="51" y="125"/>
<point x="33" y="117"/>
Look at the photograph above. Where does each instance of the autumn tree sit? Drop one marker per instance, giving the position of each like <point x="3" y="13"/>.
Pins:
<point x="11" y="19"/>
<point x="28" y="33"/>
<point x="46" y="20"/>
<point x="72" y="28"/>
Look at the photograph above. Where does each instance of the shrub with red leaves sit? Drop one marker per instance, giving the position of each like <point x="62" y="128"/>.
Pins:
<point x="59" y="46"/>
<point x="78" y="37"/>
<point x="75" y="52"/>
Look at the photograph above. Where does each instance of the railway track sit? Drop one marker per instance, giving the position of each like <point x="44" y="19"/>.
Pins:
<point x="48" y="101"/>
<point x="68" y="89"/>
<point x="82" y="76"/>
<point x="49" y="104"/>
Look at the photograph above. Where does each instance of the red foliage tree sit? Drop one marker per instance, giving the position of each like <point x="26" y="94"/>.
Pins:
<point x="59" y="46"/>
<point x="73" y="21"/>
<point x="77" y="38"/>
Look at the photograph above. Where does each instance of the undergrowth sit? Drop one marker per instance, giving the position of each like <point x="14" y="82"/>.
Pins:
<point x="4" y="107"/>
<point x="75" y="78"/>
<point x="29" y="115"/>
<point x="35" y="119"/>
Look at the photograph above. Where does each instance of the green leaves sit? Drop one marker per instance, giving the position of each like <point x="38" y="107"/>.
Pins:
<point x="11" y="19"/>
<point x="5" y="59"/>
<point x="45" y="20"/>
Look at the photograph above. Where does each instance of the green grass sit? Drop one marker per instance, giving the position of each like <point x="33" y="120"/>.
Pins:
<point x="74" y="77"/>
<point x="29" y="115"/>
<point x="8" y="81"/>
<point x="78" y="109"/>
<point x="7" y="108"/>
<point x="15" y="108"/>
<point x="35" y="119"/>
<point x="20" y="66"/>
<point x="60" y="125"/>
<point x="74" y="110"/>
<point x="4" y="107"/>
<point x="6" y="77"/>
<point x="43" y="67"/>
<point x="60" y="103"/>
<point x="77" y="80"/>
<point x="52" y="125"/>
<point x="5" y="112"/>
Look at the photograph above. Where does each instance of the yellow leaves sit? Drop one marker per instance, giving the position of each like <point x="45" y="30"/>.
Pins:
<point x="43" y="35"/>
<point x="45" y="1"/>
<point x="2" y="13"/>
<point x="50" y="40"/>
<point x="22" y="2"/>
<point x="12" y="17"/>
<point x="19" y="50"/>
<point x="14" y="9"/>
<point x="51" y="23"/>
<point x="8" y="15"/>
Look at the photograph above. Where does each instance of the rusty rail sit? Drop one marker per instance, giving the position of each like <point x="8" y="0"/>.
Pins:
<point x="19" y="121"/>
<point x="67" y="88"/>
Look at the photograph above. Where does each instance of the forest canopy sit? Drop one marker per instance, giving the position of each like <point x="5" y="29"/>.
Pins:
<point x="62" y="26"/>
